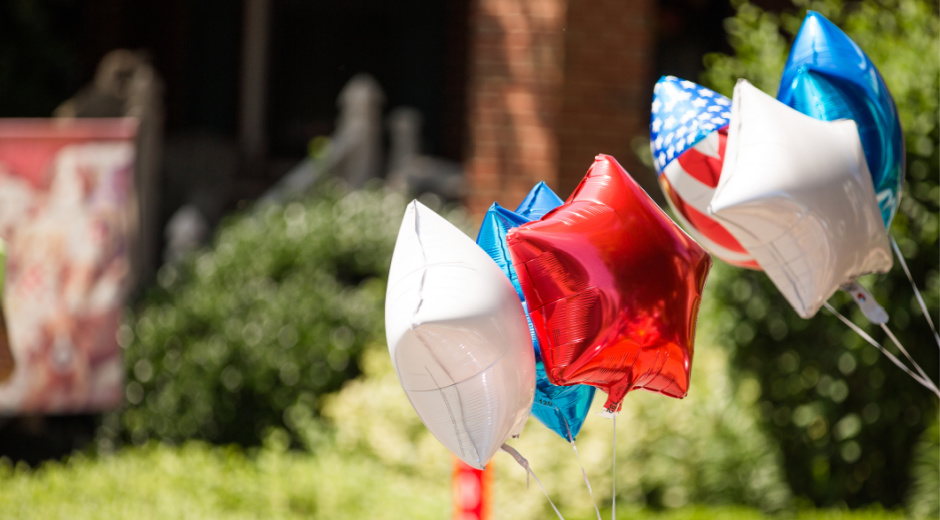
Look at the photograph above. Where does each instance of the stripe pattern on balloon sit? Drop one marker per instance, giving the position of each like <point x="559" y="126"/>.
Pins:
<point x="688" y="132"/>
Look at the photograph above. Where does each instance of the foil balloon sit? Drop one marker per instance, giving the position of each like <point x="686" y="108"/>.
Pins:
<point x="796" y="193"/>
<point x="613" y="288"/>
<point x="561" y="409"/>
<point x="828" y="77"/>
<point x="539" y="201"/>
<point x="688" y="132"/>
<point x="458" y="338"/>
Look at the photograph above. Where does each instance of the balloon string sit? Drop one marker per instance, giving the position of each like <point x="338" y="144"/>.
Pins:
<point x="525" y="465"/>
<point x="577" y="456"/>
<point x="875" y="344"/>
<point x="920" y="299"/>
<point x="613" y="471"/>
<point x="586" y="481"/>
<point x="897" y="343"/>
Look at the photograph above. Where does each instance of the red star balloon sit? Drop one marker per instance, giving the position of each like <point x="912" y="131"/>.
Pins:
<point x="613" y="286"/>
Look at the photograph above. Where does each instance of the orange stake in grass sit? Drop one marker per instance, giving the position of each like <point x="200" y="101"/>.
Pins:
<point x="471" y="491"/>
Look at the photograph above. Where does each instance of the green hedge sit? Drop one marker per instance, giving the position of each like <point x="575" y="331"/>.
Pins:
<point x="201" y="482"/>
<point x="923" y="499"/>
<point x="846" y="418"/>
<point x="198" y="481"/>
<point x="247" y="335"/>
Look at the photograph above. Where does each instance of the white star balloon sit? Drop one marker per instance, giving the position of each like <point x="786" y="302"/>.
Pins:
<point x="458" y="338"/>
<point x="796" y="193"/>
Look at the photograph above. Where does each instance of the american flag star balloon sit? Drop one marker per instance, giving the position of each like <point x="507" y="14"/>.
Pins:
<point x="688" y="133"/>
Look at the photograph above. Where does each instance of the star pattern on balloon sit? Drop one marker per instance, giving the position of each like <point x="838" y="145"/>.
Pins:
<point x="613" y="287"/>
<point x="688" y="175"/>
<point x="682" y="114"/>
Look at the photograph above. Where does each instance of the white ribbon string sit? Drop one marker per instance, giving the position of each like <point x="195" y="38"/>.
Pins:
<point x="920" y="371"/>
<point x="608" y="414"/>
<point x="577" y="456"/>
<point x="877" y="345"/>
<point x="613" y="464"/>
<point x="586" y="481"/>
<point x="525" y="465"/>
<point x="920" y="299"/>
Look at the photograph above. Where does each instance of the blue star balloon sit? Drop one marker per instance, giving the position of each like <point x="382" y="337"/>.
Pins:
<point x="828" y="77"/>
<point x="538" y="202"/>
<point x="561" y="408"/>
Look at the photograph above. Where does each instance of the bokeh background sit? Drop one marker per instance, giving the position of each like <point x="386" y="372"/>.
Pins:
<point x="258" y="382"/>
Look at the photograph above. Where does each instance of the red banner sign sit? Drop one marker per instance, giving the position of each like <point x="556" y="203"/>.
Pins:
<point x="67" y="215"/>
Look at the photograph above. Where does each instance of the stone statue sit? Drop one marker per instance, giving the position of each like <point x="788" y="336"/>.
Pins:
<point x="127" y="85"/>
<point x="356" y="149"/>
<point x="411" y="171"/>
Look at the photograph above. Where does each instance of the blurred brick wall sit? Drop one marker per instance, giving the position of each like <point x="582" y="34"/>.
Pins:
<point x="551" y="84"/>
<point x="516" y="68"/>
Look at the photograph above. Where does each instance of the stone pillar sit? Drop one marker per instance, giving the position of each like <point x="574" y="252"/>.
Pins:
<point x="552" y="84"/>
<point x="252" y="134"/>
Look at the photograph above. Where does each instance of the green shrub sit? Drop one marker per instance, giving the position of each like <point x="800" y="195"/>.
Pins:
<point x="247" y="335"/>
<point x="845" y="417"/>
<point x="704" y="449"/>
<point x="197" y="481"/>
<point x="923" y="499"/>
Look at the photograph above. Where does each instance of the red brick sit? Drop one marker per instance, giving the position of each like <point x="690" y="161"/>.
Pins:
<point x="554" y="82"/>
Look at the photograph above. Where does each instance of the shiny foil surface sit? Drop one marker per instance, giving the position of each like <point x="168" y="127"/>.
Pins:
<point x="829" y="77"/>
<point x="457" y="338"/>
<point x="688" y="134"/>
<point x="796" y="192"/>
<point x="561" y="409"/>
<point x="613" y="288"/>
